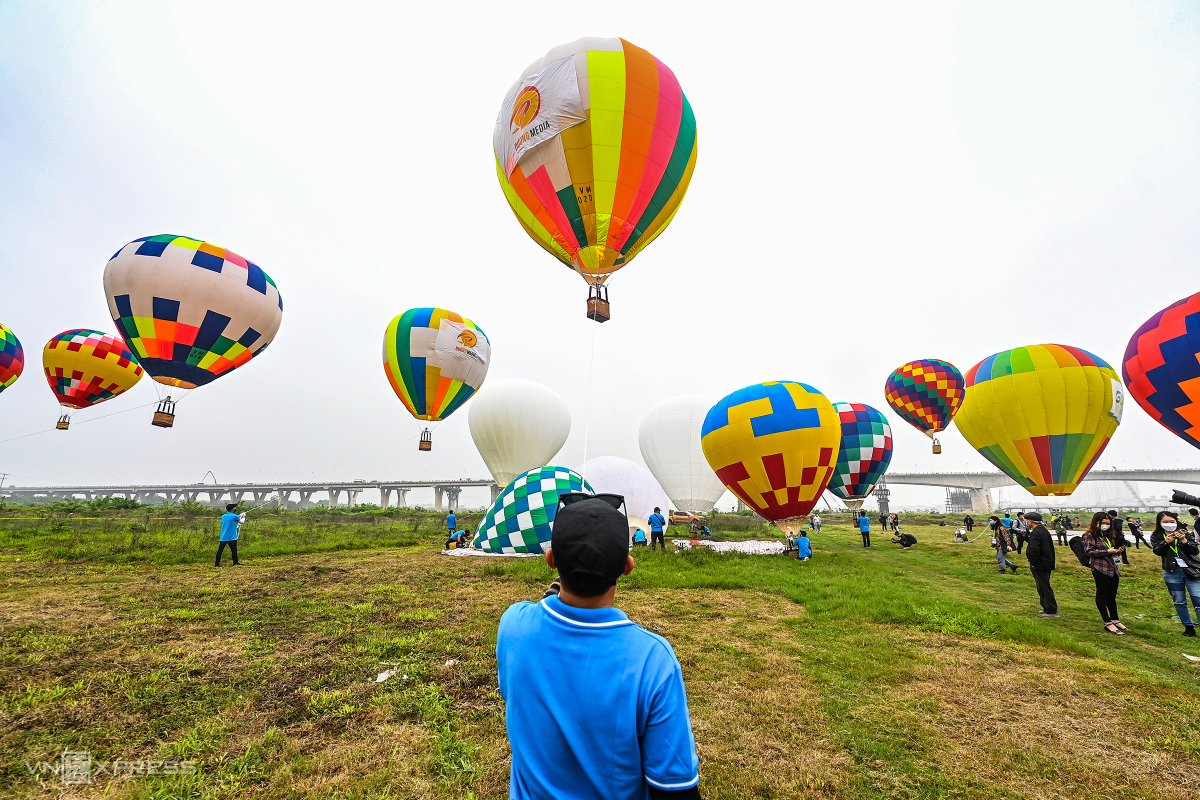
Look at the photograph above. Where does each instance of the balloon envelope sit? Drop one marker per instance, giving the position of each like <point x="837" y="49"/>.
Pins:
<point x="1161" y="369"/>
<point x="595" y="146"/>
<point x="610" y="474"/>
<point x="925" y="393"/>
<point x="774" y="445"/>
<point x="866" y="451"/>
<point x="521" y="519"/>
<point x="518" y="425"/>
<point x="669" y="438"/>
<point x="86" y="367"/>
<point x="190" y="311"/>
<point x="1042" y="414"/>
<point x="435" y="360"/>
<point x="12" y="358"/>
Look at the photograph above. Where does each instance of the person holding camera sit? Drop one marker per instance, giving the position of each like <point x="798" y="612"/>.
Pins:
<point x="632" y="737"/>
<point x="1104" y="555"/>
<point x="1181" y="565"/>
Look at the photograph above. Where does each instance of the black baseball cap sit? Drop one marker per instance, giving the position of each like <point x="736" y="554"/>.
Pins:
<point x="590" y="541"/>
<point x="1033" y="516"/>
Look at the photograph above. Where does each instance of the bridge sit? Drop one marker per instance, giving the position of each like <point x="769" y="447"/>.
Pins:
<point x="978" y="485"/>
<point x="445" y="493"/>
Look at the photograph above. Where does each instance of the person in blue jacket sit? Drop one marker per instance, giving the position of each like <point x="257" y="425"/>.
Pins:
<point x="657" y="523"/>
<point x="639" y="538"/>
<point x="864" y="527"/>
<point x="803" y="547"/>
<point x="230" y="521"/>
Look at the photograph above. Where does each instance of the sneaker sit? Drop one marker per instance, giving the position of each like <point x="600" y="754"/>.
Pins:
<point x="1190" y="630"/>
<point x="1001" y="572"/>
<point x="1044" y="614"/>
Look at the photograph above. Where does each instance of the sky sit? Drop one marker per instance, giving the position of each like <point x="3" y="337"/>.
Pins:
<point x="875" y="183"/>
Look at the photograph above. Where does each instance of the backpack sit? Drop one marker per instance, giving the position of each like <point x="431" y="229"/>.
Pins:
<point x="1076" y="543"/>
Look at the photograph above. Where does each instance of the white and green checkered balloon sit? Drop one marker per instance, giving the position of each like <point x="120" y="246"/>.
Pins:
<point x="521" y="518"/>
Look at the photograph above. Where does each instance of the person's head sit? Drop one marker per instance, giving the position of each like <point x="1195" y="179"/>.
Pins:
<point x="804" y="534"/>
<point x="1020" y="515"/>
<point x="1034" y="517"/>
<point x="1006" y="515"/>
<point x="1166" y="522"/>
<point x="231" y="507"/>
<point x="1195" y="512"/>
<point x="1100" y="525"/>
<point x="657" y="510"/>
<point x="589" y="546"/>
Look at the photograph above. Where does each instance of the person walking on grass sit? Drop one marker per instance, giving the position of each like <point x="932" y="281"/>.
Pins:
<point x="816" y="522"/>
<point x="657" y="523"/>
<point x="1020" y="530"/>
<point x="864" y="527"/>
<point x="1104" y="555"/>
<point x="1040" y="552"/>
<point x="1060" y="528"/>
<point x="1002" y="543"/>
<point x="883" y="521"/>
<point x="631" y="738"/>
<point x="1137" y="532"/>
<point x="230" y="521"/>
<point x="969" y="523"/>
<point x="1180" y="554"/>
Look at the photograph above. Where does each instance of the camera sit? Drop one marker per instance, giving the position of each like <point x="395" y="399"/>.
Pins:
<point x="1184" y="499"/>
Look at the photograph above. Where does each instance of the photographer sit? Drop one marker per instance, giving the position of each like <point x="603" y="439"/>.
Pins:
<point x="1104" y="555"/>
<point x="1181" y="565"/>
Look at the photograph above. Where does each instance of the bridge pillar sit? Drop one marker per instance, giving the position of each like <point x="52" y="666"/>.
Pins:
<point x="352" y="497"/>
<point x="495" y="490"/>
<point x="437" y="499"/>
<point x="452" y="494"/>
<point x="402" y="498"/>
<point x="333" y="496"/>
<point x="305" y="498"/>
<point x="981" y="501"/>
<point x="385" y="496"/>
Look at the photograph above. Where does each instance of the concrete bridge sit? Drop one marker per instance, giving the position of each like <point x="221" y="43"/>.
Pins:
<point x="979" y="484"/>
<point x="445" y="493"/>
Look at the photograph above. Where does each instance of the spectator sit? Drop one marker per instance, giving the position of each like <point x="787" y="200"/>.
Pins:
<point x="803" y="547"/>
<point x="657" y="523"/>
<point x="1060" y="528"/>
<point x="1041" y="562"/>
<point x="1104" y="556"/>
<point x="639" y="538"/>
<point x="1002" y="544"/>
<point x="1071" y="525"/>
<point x="864" y="527"/>
<point x="1076" y="522"/>
<point x="1119" y="534"/>
<point x="1180" y="556"/>
<point x="1020" y="530"/>
<point x="632" y="738"/>
<point x="905" y="540"/>
<point x="816" y="522"/>
<point x="895" y="522"/>
<point x="1194" y="513"/>
<point x="1007" y="522"/>
<point x="883" y="521"/>
<point x="1137" y="532"/>
<point x="969" y="523"/>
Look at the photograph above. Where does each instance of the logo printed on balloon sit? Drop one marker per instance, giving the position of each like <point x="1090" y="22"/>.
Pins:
<point x="525" y="108"/>
<point x="468" y="339"/>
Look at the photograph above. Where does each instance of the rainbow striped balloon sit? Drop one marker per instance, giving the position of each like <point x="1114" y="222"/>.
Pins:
<point x="595" y="146"/>
<point x="435" y="360"/>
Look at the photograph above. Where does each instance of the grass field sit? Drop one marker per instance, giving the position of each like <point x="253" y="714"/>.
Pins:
<point x="863" y="673"/>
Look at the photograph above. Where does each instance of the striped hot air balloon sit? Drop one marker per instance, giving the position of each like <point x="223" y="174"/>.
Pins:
<point x="1162" y="371"/>
<point x="595" y="145"/>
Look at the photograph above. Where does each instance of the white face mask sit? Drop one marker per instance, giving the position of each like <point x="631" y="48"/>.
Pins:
<point x="1168" y="526"/>
<point x="1104" y="526"/>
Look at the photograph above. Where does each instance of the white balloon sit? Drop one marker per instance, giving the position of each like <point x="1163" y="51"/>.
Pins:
<point x="670" y="443"/>
<point x="613" y="475"/>
<point x="517" y="425"/>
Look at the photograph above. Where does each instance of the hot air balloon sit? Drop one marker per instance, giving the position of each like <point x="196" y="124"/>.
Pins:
<point x="926" y="394"/>
<point x="521" y="519"/>
<point x="670" y="443"/>
<point x="614" y="475"/>
<point x="595" y="146"/>
<point x="865" y="453"/>
<point x="774" y="445"/>
<point x="86" y="367"/>
<point x="518" y="425"/>
<point x="1161" y="370"/>
<point x="12" y="358"/>
<point x="435" y="360"/>
<point x="1043" y="414"/>
<point x="190" y="311"/>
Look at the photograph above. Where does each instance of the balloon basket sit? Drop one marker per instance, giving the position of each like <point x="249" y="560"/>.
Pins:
<point x="164" y="414"/>
<point x="426" y="443"/>
<point x="597" y="304"/>
<point x="64" y="422"/>
<point x="937" y="447"/>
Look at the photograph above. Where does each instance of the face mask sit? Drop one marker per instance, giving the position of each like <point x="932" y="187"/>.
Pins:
<point x="1168" y="526"/>
<point x="1105" y="526"/>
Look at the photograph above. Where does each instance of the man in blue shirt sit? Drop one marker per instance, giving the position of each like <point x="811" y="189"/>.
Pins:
<point x="864" y="527"/>
<point x="803" y="547"/>
<point x="230" y="521"/>
<point x="631" y="739"/>
<point x="657" y="523"/>
<point x="451" y="524"/>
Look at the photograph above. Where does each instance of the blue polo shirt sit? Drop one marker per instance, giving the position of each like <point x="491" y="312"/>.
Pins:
<point x="657" y="522"/>
<point x="864" y="524"/>
<point x="631" y="732"/>
<point x="803" y="547"/>
<point x="451" y="522"/>
<point x="229" y="526"/>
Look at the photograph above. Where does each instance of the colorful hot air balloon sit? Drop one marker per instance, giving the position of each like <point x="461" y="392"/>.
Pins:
<point x="521" y="519"/>
<point x="1161" y="369"/>
<point x="12" y="358"/>
<point x="926" y="394"/>
<point x="1043" y="414"/>
<point x="865" y="453"/>
<point x="190" y="311"/>
<point x="595" y="146"/>
<point x="435" y="360"/>
<point x="774" y="445"/>
<point x="86" y="367"/>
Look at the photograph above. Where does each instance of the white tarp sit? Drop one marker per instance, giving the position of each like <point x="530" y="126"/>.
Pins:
<point x="754" y="548"/>
<point x="471" y="551"/>
<point x="545" y="105"/>
<point x="457" y="339"/>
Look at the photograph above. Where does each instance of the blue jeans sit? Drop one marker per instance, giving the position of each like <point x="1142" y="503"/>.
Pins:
<point x="1002" y="559"/>
<point x="1180" y="586"/>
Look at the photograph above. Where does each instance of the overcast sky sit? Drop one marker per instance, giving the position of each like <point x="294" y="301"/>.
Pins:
<point x="876" y="182"/>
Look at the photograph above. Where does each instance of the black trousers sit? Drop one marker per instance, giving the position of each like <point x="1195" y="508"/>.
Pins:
<point x="970" y="527"/>
<point x="232" y="551"/>
<point x="1062" y="537"/>
<point x="1106" y="595"/>
<point x="657" y="536"/>
<point x="1041" y="577"/>
<point x="1138" y="541"/>
<point x="1021" y="540"/>
<point x="866" y="538"/>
